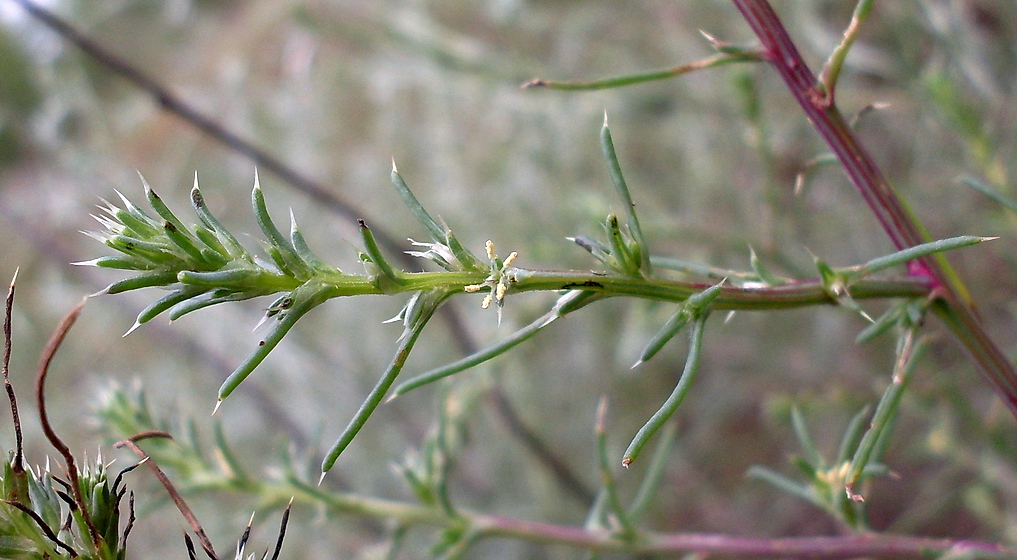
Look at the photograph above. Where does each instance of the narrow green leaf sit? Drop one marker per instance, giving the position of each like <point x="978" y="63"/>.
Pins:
<point x="141" y="281"/>
<point x="118" y="263"/>
<point x="916" y="252"/>
<point x="805" y="441"/>
<point x="234" y="469"/>
<point x="141" y="224"/>
<point x="155" y="201"/>
<point x="671" y="328"/>
<point x="762" y="272"/>
<point x="884" y="322"/>
<point x="826" y="274"/>
<point x="991" y="192"/>
<point x="376" y="256"/>
<point x="213" y="259"/>
<point x="694" y="307"/>
<point x="466" y="258"/>
<point x="631" y="79"/>
<point x="137" y="213"/>
<point x="305" y="298"/>
<point x="434" y="229"/>
<point x="621" y="187"/>
<point x="308" y="256"/>
<point x="850" y="438"/>
<point x="211" y="241"/>
<point x="831" y="70"/>
<point x="700" y="303"/>
<point x="613" y="502"/>
<point x="230" y="243"/>
<point x="149" y="250"/>
<point x="889" y="403"/>
<point x="166" y="302"/>
<point x="186" y="243"/>
<point x="571" y="301"/>
<point x="807" y="468"/>
<point x="280" y="242"/>
<point x="669" y="407"/>
<point x="419" y="488"/>
<point x="278" y="260"/>
<point x="574" y="300"/>
<point x="785" y="484"/>
<point x="238" y="279"/>
<point x="624" y="261"/>
<point x="209" y="299"/>
<point x="835" y="284"/>
<point x="433" y="300"/>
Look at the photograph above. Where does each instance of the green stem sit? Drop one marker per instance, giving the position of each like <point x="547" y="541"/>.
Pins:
<point x="718" y="59"/>
<point x="831" y="71"/>
<point x="794" y="294"/>
<point x="799" y="293"/>
<point x="870" y="545"/>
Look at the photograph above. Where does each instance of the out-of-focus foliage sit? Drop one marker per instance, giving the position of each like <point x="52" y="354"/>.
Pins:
<point x="336" y="89"/>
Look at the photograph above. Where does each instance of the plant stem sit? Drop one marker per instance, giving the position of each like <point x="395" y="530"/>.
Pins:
<point x="899" y="223"/>
<point x="786" y="296"/>
<point x="869" y="545"/>
<point x="798" y="293"/>
<point x="718" y="59"/>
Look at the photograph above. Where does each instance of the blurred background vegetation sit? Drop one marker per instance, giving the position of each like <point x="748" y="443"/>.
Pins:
<point x="336" y="89"/>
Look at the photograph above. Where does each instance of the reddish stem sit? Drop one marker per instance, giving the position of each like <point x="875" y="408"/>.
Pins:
<point x="896" y="547"/>
<point x="953" y="305"/>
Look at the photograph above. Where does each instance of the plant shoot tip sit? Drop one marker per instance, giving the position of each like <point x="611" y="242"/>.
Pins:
<point x="601" y="413"/>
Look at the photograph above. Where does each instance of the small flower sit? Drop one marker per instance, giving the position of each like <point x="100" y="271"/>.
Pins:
<point x="498" y="280"/>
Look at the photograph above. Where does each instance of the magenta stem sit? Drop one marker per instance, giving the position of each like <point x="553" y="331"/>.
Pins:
<point x="953" y="305"/>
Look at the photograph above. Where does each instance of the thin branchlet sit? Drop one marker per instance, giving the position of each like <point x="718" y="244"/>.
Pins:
<point x="178" y="500"/>
<point x="18" y="464"/>
<point x="42" y="370"/>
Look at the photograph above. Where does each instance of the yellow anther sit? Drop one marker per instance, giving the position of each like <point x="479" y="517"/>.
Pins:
<point x="490" y="250"/>
<point x="473" y="288"/>
<point x="511" y="258"/>
<point x="499" y="292"/>
<point x="487" y="301"/>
